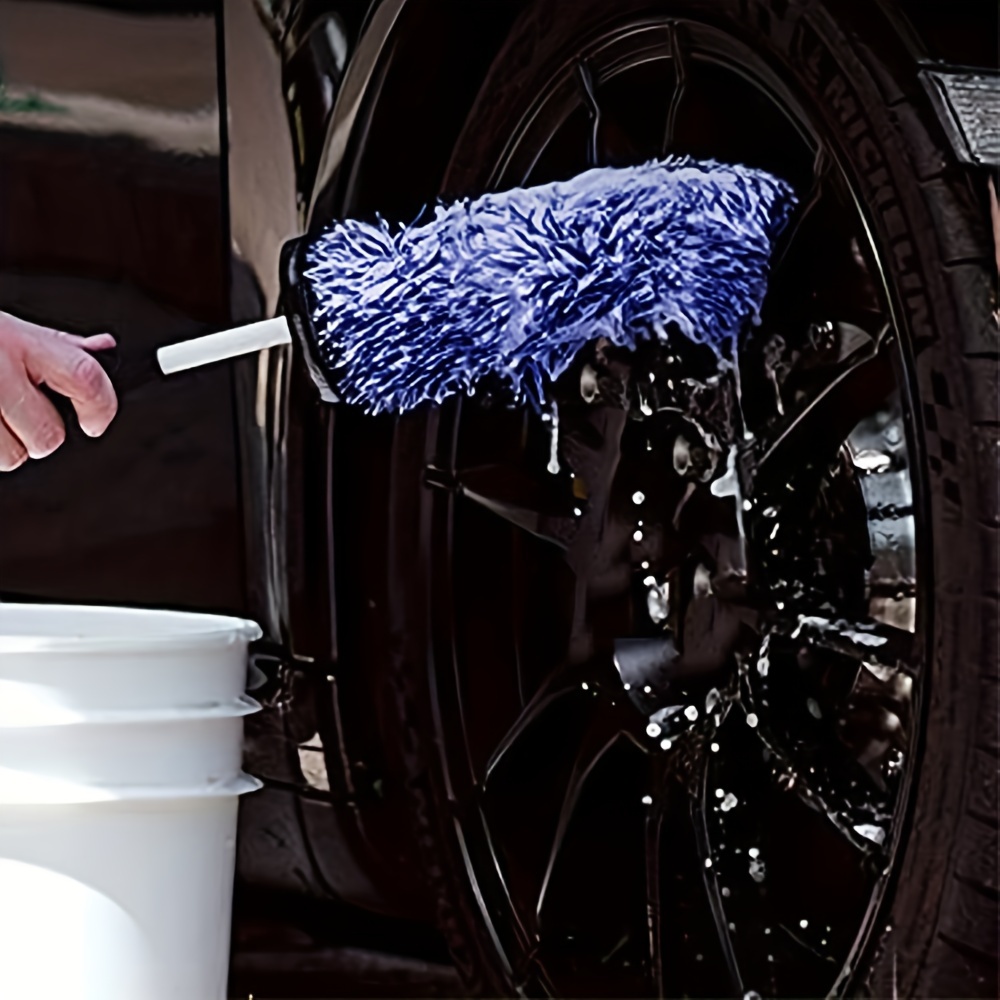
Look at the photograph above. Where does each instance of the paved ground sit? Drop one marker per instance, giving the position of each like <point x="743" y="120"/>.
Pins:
<point x="291" y="949"/>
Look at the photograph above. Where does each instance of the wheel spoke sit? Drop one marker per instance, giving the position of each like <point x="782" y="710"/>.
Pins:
<point x="712" y="891"/>
<point x="809" y="205"/>
<point x="680" y="83"/>
<point x="809" y="757"/>
<point x="606" y="729"/>
<point x="819" y="274"/>
<point x="816" y="430"/>
<point x="881" y="648"/>
<point x="559" y="683"/>
<point x="585" y="80"/>
<point x="792" y="775"/>
<point x="654" y="919"/>
<point x="539" y="508"/>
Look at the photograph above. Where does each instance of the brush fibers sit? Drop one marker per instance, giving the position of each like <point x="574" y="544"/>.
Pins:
<point x="514" y="284"/>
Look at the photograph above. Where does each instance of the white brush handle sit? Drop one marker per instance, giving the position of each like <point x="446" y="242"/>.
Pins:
<point x="223" y="345"/>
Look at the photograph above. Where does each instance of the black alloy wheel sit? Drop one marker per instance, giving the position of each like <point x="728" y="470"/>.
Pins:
<point x="661" y="659"/>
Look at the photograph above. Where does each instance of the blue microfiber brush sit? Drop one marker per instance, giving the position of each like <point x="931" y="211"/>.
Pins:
<point x="513" y="285"/>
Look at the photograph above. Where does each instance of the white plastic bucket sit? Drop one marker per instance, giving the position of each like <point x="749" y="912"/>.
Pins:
<point x="58" y="662"/>
<point x="120" y="753"/>
<point x="118" y="900"/>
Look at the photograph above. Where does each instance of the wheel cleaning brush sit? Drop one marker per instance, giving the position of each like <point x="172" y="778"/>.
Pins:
<point x="512" y="285"/>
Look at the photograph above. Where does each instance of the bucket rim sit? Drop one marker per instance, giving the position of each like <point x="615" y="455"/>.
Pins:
<point x="217" y="631"/>
<point x="55" y="793"/>
<point x="60" y="717"/>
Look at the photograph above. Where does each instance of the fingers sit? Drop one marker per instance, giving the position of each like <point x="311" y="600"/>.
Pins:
<point x="68" y="370"/>
<point x="12" y="452"/>
<point x="95" y="342"/>
<point x="42" y="334"/>
<point x="30" y="417"/>
<point x="30" y="422"/>
<point x="30" y="355"/>
<point x="99" y="342"/>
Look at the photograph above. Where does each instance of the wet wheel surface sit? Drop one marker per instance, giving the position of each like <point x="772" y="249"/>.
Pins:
<point x="689" y="675"/>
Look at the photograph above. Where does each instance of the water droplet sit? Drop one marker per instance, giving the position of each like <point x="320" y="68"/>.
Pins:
<point x="657" y="601"/>
<point x="645" y="565"/>
<point x="871" y="832"/>
<point x="754" y="852"/>
<point x="725" y="891"/>
<point x="666" y="744"/>
<point x="770" y="958"/>
<point x="697" y="958"/>
<point x="708" y="862"/>
<point x="627" y="686"/>
<point x="747" y="505"/>
<point x="584" y="686"/>
<point x="714" y="748"/>
<point x="752" y="720"/>
<point x="719" y="793"/>
<point x="803" y="924"/>
<point x="638" y="497"/>
<point x="637" y="536"/>
<point x="757" y="872"/>
<point x="647" y="800"/>
<point x="823" y="941"/>
<point x="751" y="995"/>
<point x="648" y="689"/>
<point x="577" y="511"/>
<point x="553" y="466"/>
<point x="879" y="670"/>
<point x="691" y="712"/>
<point x="682" y="455"/>
<point x="653" y="730"/>
<point x="767" y="930"/>
<point x="869" y="460"/>
<point x="814" y="709"/>
<point x="729" y="802"/>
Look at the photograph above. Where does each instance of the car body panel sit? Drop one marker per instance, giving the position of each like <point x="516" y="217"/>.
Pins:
<point x="113" y="213"/>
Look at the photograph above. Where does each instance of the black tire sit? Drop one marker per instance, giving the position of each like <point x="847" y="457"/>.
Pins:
<point x="930" y="227"/>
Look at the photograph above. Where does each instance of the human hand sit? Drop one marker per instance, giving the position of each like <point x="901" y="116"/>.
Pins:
<point x="30" y="356"/>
